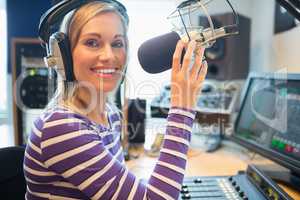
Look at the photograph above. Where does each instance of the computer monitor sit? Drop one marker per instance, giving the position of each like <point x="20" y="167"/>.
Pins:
<point x="269" y="119"/>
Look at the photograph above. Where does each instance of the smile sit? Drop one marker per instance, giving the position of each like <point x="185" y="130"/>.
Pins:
<point x="105" y="73"/>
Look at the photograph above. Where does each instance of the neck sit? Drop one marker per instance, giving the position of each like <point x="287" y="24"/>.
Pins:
<point x="93" y="106"/>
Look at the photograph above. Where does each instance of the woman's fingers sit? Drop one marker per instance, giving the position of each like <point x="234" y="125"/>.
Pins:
<point x="176" y="65"/>
<point x="202" y="73"/>
<point x="197" y="63"/>
<point x="185" y="82"/>
<point x="199" y="68"/>
<point x="188" y="57"/>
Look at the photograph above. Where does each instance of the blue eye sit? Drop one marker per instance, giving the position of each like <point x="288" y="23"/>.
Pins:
<point x="91" y="43"/>
<point x="118" y="44"/>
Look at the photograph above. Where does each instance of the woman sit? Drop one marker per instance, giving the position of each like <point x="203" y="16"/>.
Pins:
<point x="74" y="150"/>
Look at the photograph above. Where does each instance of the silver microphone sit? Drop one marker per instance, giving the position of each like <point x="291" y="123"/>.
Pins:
<point x="155" y="55"/>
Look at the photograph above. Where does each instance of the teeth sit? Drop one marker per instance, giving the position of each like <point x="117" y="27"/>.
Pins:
<point x="105" y="71"/>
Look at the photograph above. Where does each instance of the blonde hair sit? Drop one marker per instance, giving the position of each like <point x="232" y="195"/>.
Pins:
<point x="72" y="25"/>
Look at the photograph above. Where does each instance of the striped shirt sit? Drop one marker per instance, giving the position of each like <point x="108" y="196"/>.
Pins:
<point x="69" y="156"/>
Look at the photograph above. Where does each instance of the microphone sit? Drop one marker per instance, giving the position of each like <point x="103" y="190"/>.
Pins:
<point x="156" y="55"/>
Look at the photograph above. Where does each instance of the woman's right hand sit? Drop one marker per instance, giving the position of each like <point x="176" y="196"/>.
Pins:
<point x="186" y="82"/>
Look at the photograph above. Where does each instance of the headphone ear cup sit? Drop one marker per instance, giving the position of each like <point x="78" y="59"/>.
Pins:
<point x="60" y="50"/>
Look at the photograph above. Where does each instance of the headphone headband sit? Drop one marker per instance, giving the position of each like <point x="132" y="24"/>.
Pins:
<point x="58" y="11"/>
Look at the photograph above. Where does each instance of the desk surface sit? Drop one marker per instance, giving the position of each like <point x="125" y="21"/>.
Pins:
<point x="228" y="160"/>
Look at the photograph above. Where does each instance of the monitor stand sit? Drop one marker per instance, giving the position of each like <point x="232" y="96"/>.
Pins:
<point x="281" y="174"/>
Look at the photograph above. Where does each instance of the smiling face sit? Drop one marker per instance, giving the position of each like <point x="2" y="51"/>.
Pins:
<point x="100" y="53"/>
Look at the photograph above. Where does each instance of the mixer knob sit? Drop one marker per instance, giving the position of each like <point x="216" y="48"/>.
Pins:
<point x="242" y="194"/>
<point x="197" y="180"/>
<point x="184" y="191"/>
<point x="186" y="196"/>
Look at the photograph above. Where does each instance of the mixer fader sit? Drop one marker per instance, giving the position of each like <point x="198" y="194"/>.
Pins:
<point x="251" y="184"/>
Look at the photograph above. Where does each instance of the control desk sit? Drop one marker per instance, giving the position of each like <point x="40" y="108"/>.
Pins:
<point x="220" y="172"/>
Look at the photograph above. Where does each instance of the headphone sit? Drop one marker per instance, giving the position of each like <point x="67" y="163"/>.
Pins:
<point x="58" y="46"/>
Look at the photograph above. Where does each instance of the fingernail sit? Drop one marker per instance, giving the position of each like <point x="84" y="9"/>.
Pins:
<point x="193" y="43"/>
<point x="205" y="65"/>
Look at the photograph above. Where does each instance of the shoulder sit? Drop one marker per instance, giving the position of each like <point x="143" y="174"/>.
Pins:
<point x="62" y="114"/>
<point x="59" y="121"/>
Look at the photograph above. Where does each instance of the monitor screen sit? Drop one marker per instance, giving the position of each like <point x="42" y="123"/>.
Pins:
<point x="269" y="118"/>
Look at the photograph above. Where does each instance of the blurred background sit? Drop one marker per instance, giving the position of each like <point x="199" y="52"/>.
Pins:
<point x="269" y="43"/>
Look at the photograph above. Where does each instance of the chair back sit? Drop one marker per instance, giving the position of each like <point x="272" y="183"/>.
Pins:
<point x="12" y="181"/>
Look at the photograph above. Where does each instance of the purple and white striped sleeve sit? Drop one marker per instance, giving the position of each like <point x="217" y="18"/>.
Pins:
<point x="166" y="180"/>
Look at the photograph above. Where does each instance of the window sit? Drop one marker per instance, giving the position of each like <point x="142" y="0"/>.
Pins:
<point x="147" y="20"/>
<point x="3" y="58"/>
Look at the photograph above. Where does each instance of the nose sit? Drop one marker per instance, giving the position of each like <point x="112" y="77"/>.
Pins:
<point x="106" y="53"/>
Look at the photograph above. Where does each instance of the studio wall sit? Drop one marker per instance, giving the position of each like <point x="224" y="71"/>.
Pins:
<point x="23" y="20"/>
